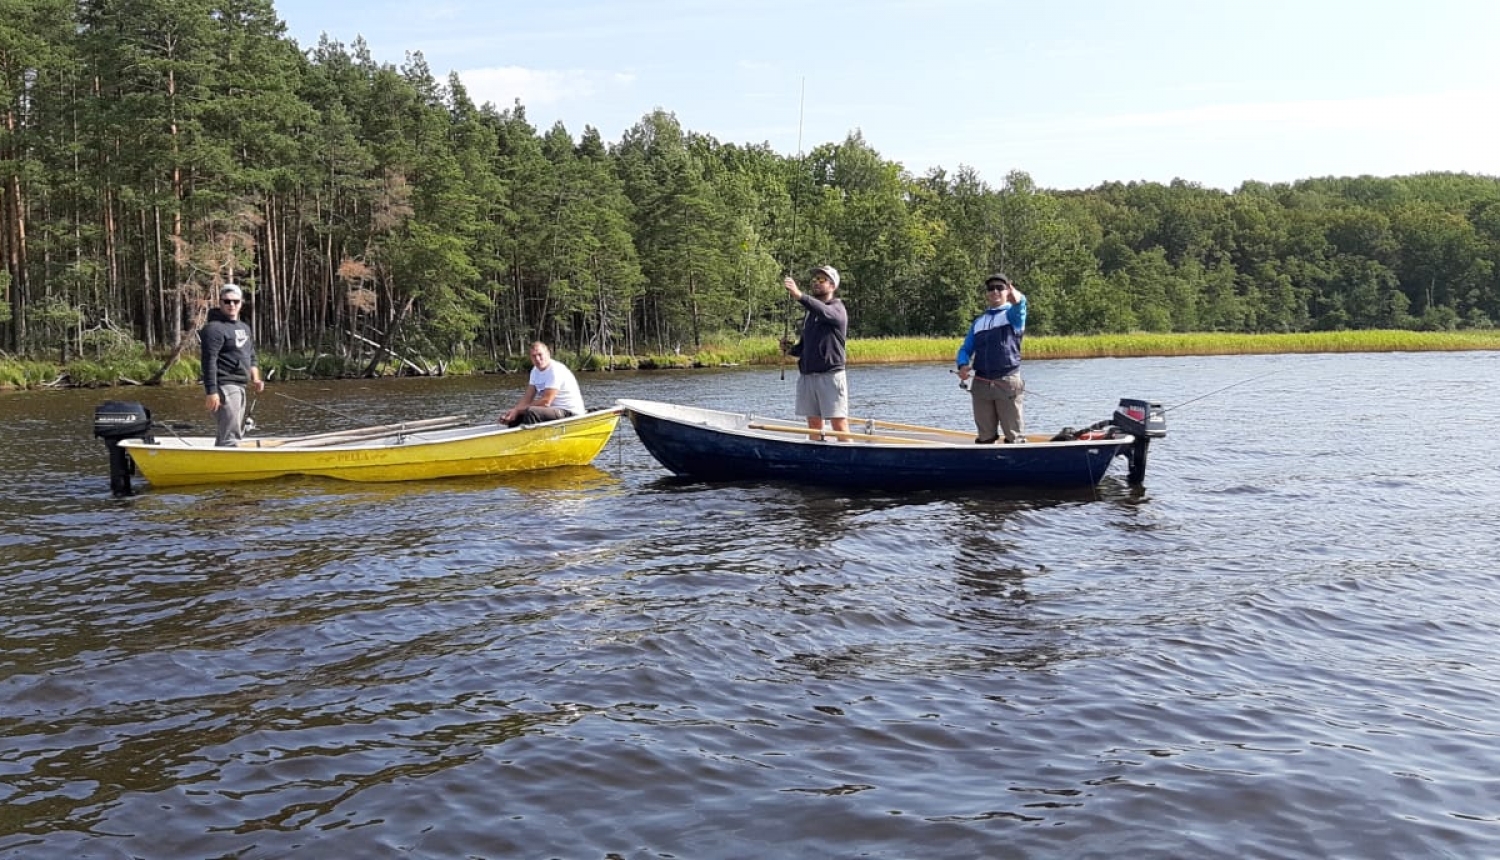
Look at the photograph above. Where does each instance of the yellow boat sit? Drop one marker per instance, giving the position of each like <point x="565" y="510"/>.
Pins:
<point x="408" y="451"/>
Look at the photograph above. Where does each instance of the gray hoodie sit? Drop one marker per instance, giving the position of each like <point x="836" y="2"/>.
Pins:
<point x="228" y="351"/>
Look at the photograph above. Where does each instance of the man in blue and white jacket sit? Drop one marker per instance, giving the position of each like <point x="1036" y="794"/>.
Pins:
<point x="991" y="353"/>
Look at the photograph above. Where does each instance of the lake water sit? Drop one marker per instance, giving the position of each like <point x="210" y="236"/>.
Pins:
<point x="1284" y="646"/>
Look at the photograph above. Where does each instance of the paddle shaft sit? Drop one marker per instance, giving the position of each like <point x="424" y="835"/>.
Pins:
<point x="364" y="433"/>
<point x="917" y="428"/>
<point x="841" y="434"/>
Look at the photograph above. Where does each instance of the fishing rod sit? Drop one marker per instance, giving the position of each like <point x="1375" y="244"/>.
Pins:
<point x="1027" y="389"/>
<point x="786" y="318"/>
<point x="1031" y="393"/>
<point x="249" y="424"/>
<point x="786" y="334"/>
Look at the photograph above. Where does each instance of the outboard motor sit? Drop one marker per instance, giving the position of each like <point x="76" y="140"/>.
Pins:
<point x="114" y="421"/>
<point x="1145" y="421"/>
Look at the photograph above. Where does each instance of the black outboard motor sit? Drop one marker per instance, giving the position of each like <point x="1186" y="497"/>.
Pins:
<point x="1145" y="421"/>
<point x="116" y="420"/>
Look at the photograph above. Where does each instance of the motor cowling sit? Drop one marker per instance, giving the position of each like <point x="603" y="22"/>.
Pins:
<point x="114" y="422"/>
<point x="1140" y="418"/>
<point x="122" y="419"/>
<point x="1145" y="421"/>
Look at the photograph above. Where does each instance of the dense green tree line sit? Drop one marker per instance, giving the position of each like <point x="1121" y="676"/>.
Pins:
<point x="154" y="149"/>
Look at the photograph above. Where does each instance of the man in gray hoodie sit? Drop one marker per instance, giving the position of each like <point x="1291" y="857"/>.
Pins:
<point x="822" y="389"/>
<point x="228" y="365"/>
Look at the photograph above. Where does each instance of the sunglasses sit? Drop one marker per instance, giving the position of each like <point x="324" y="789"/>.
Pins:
<point x="994" y="288"/>
<point x="229" y="301"/>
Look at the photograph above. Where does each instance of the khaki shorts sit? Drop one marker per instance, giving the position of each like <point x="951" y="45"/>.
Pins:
<point x="823" y="395"/>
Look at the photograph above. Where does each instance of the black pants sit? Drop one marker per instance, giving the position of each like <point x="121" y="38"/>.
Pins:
<point x="538" y="414"/>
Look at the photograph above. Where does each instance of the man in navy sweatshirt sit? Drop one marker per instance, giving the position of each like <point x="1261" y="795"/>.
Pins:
<point x="822" y="388"/>
<point x="228" y="365"/>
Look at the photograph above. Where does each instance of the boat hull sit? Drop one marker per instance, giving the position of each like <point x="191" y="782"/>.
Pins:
<point x="444" y="453"/>
<point x="717" y="446"/>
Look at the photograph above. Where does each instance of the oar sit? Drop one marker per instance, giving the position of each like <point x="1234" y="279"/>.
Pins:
<point x="357" y="434"/>
<point x="842" y="434"/>
<point x="368" y="433"/>
<point x="356" y="438"/>
<point x="915" y="428"/>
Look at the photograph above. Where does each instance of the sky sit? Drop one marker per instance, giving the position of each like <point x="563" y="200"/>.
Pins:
<point x="1074" y="94"/>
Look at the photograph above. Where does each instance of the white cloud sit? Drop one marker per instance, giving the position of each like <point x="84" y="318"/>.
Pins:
<point x="502" y="85"/>
<point x="1460" y="107"/>
<point x="1432" y="114"/>
<point x="1225" y="143"/>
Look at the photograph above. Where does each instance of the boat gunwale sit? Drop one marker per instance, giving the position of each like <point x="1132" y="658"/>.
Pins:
<point x="394" y="439"/>
<point x="799" y="435"/>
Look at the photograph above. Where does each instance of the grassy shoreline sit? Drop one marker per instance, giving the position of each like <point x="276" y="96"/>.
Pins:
<point x="1143" y="345"/>
<point x="16" y="374"/>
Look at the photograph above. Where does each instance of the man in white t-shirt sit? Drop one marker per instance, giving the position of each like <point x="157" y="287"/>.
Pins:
<point x="551" y="393"/>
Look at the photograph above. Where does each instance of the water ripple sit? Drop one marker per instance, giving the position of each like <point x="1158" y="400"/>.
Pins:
<point x="1281" y="647"/>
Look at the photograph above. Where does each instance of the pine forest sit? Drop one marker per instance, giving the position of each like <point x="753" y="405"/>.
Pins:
<point x="152" y="150"/>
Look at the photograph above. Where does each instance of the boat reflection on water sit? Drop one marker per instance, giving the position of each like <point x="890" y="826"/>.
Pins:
<point x="886" y="560"/>
<point x="565" y="480"/>
<point x="328" y="518"/>
<point x="559" y="479"/>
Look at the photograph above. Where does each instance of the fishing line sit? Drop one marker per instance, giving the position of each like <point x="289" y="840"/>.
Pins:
<point x="1219" y="390"/>
<point x="467" y="416"/>
<point x="327" y="409"/>
<point x="172" y="427"/>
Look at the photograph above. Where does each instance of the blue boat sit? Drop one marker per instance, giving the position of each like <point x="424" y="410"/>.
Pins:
<point x="712" y="445"/>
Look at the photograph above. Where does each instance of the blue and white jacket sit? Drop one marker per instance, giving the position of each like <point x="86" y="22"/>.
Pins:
<point x="993" y="344"/>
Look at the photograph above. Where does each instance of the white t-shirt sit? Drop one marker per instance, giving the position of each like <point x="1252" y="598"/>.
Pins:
<point x="569" y="398"/>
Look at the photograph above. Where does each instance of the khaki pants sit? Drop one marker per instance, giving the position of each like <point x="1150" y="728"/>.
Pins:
<point x="999" y="407"/>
